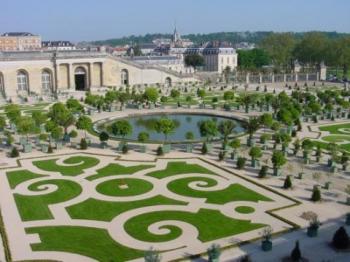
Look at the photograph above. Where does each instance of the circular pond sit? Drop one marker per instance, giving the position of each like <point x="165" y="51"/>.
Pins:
<point x="184" y="122"/>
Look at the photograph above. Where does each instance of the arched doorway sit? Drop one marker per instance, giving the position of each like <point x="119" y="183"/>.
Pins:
<point x="168" y="82"/>
<point x="2" y="85"/>
<point x="124" y="77"/>
<point x="80" y="79"/>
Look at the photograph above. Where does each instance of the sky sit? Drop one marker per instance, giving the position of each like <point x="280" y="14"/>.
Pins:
<point x="84" y="20"/>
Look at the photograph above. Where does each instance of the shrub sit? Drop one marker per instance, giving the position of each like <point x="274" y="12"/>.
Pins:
<point x="341" y="239"/>
<point x="125" y="149"/>
<point x="296" y="254"/>
<point x="204" y="149"/>
<point x="316" y="194"/>
<point x="73" y="134"/>
<point x="103" y="136"/>
<point x="49" y="149"/>
<point x="241" y="162"/>
<point x="83" y="144"/>
<point x="160" y="151"/>
<point x="263" y="171"/>
<point x="287" y="183"/>
<point x="213" y="252"/>
<point x="14" y="152"/>
<point x="221" y="155"/>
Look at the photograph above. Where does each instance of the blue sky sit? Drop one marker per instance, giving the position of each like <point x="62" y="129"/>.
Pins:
<point x="78" y="20"/>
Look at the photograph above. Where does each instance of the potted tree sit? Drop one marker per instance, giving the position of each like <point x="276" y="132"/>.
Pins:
<point x="143" y="137"/>
<point x="121" y="128"/>
<point x="278" y="160"/>
<point x="235" y="144"/>
<point x="189" y="136"/>
<point x="251" y="126"/>
<point x="266" y="243"/>
<point x="104" y="136"/>
<point x="314" y="224"/>
<point x="226" y="127"/>
<point x="165" y="126"/>
<point x="255" y="153"/>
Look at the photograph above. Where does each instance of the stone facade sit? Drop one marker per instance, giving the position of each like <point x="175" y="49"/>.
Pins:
<point x="24" y="73"/>
<point x="19" y="42"/>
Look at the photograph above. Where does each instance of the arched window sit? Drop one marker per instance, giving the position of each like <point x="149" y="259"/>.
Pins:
<point x="124" y="77"/>
<point x="22" y="81"/>
<point x="46" y="80"/>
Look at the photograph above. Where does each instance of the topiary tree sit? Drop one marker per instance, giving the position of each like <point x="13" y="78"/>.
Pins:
<point x="255" y="153"/>
<point x="84" y="123"/>
<point x="287" y="183"/>
<point x="151" y="94"/>
<point x="189" y="135"/>
<point x="165" y="126"/>
<point x="226" y="127"/>
<point x="103" y="136"/>
<point x="263" y="171"/>
<point x="160" y="151"/>
<point x="208" y="129"/>
<point x="83" y="144"/>
<point x="121" y="128"/>
<point x="125" y="148"/>
<point x="14" y="152"/>
<point x="296" y="254"/>
<point x="204" y="148"/>
<point x="341" y="239"/>
<point x="241" y="162"/>
<point x="316" y="194"/>
<point x="73" y="134"/>
<point x="143" y="137"/>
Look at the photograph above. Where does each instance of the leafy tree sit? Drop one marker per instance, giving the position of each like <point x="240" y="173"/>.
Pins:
<point x="39" y="117"/>
<point x="278" y="159"/>
<point x="280" y="48"/>
<point x="60" y="115"/>
<point x="73" y="133"/>
<point x="12" y="112"/>
<point x="341" y="239"/>
<point x="165" y="126"/>
<point x="208" y="129"/>
<point x="226" y="127"/>
<point x="189" y="135"/>
<point x="74" y="105"/>
<point x="252" y="59"/>
<point x="235" y="144"/>
<point x="296" y="254"/>
<point x="252" y="125"/>
<point x="194" y="60"/>
<point x="229" y="95"/>
<point x="151" y="94"/>
<point x="266" y="120"/>
<point x="175" y="94"/>
<point x="26" y="126"/>
<point x="84" y="123"/>
<point x="201" y="93"/>
<point x="121" y="128"/>
<point x="103" y="136"/>
<point x="143" y="137"/>
<point x="255" y="152"/>
<point x="226" y="73"/>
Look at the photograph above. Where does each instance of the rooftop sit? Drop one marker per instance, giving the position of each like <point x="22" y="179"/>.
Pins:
<point x="17" y="34"/>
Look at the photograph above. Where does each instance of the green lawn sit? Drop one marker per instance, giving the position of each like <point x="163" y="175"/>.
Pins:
<point x="91" y="242"/>
<point x="36" y="207"/>
<point x="334" y="129"/>
<point x="336" y="138"/>
<point x="177" y="168"/>
<point x="135" y="187"/>
<point x="244" y="209"/>
<point x="116" y="169"/>
<point x="94" y="209"/>
<point x="211" y="225"/>
<point x="78" y="164"/>
<point x="234" y="192"/>
<point x="19" y="176"/>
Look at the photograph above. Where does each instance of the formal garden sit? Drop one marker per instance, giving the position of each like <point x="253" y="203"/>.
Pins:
<point x="138" y="173"/>
<point x="112" y="210"/>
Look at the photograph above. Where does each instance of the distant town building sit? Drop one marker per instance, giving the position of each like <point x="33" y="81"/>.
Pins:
<point x="167" y="62"/>
<point x="244" y="46"/>
<point x="57" y="45"/>
<point x="19" y="41"/>
<point x="120" y="51"/>
<point x="147" y="48"/>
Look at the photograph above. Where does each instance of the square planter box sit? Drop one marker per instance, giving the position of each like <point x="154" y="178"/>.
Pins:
<point x="27" y="148"/>
<point x="120" y="146"/>
<point x="209" y="147"/>
<point x="143" y="149"/>
<point x="166" y="148"/>
<point x="277" y="172"/>
<point x="189" y="148"/>
<point x="59" y="145"/>
<point x="103" y="145"/>
<point x="23" y="140"/>
<point x="44" y="148"/>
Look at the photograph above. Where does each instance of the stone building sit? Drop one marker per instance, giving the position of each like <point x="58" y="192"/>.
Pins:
<point x="19" y="41"/>
<point x="44" y="73"/>
<point x="57" y="45"/>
